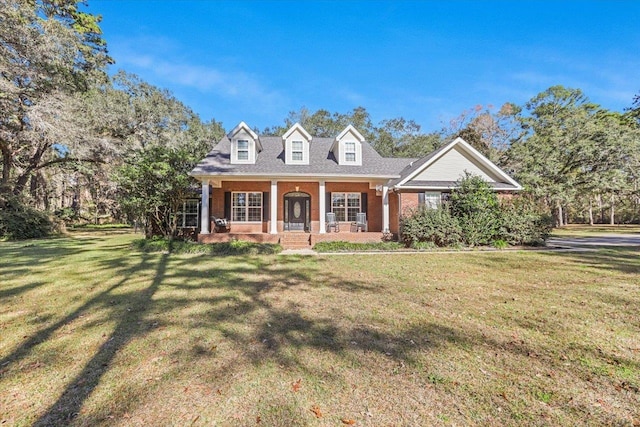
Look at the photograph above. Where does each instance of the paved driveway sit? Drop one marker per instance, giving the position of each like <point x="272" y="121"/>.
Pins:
<point x="604" y="240"/>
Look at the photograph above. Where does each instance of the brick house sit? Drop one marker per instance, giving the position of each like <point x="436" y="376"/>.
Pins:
<point x="280" y="189"/>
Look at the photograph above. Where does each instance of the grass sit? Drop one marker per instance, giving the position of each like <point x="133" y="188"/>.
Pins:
<point x="94" y="333"/>
<point x="582" y="230"/>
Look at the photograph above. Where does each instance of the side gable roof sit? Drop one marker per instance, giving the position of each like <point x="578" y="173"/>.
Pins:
<point x="413" y="176"/>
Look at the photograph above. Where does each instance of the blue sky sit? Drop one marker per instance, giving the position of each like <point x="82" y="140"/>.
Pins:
<point x="427" y="61"/>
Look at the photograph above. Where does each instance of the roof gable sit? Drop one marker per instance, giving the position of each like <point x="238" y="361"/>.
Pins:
<point x="449" y="163"/>
<point x="297" y="127"/>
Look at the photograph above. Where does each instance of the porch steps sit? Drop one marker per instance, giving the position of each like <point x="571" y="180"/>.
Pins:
<point x="295" y="240"/>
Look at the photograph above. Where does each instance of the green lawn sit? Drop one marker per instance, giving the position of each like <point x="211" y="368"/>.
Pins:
<point x="93" y="333"/>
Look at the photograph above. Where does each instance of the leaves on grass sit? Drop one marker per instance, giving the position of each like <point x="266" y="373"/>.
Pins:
<point x="348" y="421"/>
<point x="316" y="411"/>
<point x="296" y="385"/>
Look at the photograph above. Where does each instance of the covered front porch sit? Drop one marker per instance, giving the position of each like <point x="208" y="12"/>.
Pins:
<point x="257" y="209"/>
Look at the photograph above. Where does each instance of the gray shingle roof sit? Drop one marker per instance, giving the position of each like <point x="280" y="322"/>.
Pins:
<point x="322" y="162"/>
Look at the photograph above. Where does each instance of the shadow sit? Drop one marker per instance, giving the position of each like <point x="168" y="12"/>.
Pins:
<point x="17" y="290"/>
<point x="80" y="388"/>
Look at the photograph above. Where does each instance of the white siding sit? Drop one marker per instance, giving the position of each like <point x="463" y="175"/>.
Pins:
<point x="452" y="166"/>
<point x="339" y="150"/>
<point x="243" y="135"/>
<point x="296" y="135"/>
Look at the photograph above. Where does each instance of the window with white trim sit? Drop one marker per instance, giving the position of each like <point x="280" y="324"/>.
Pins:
<point x="242" y="149"/>
<point x="296" y="151"/>
<point x="432" y="200"/>
<point x="349" y="151"/>
<point x="188" y="215"/>
<point x="345" y="205"/>
<point x="246" y="207"/>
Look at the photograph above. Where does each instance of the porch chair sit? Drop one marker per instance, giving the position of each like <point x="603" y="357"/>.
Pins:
<point x="361" y="222"/>
<point x="332" y="223"/>
<point x="220" y="223"/>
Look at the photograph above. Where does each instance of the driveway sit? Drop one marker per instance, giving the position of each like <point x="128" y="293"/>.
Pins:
<point x="604" y="240"/>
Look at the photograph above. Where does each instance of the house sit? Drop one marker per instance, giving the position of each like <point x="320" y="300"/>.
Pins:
<point x="280" y="189"/>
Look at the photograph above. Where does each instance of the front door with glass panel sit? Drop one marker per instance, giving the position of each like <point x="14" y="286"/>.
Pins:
<point x="296" y="212"/>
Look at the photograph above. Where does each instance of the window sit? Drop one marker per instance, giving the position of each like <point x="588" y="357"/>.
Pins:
<point x="246" y="207"/>
<point x="345" y="205"/>
<point x="432" y="200"/>
<point x="296" y="151"/>
<point x="243" y="149"/>
<point x="188" y="216"/>
<point x="350" y="151"/>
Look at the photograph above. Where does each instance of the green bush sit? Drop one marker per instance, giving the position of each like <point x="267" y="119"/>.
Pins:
<point x="474" y="216"/>
<point x="19" y="221"/>
<point x="341" y="246"/>
<point x="522" y="223"/>
<point x="431" y="225"/>
<point x="176" y="246"/>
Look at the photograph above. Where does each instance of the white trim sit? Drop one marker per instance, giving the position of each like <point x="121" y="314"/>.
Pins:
<point x="247" y="207"/>
<point x="469" y="149"/>
<point x="204" y="218"/>
<point x="273" y="211"/>
<point x="315" y="176"/>
<point x="297" y="126"/>
<point x="385" y="209"/>
<point x="435" y="187"/>
<point x="322" y="202"/>
<point x="245" y="127"/>
<point x="353" y="130"/>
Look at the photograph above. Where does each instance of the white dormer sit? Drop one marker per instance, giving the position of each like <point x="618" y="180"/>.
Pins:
<point x="245" y="144"/>
<point x="347" y="148"/>
<point x="296" y="142"/>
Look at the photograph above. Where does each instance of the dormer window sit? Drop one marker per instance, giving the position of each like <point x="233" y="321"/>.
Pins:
<point x="243" y="149"/>
<point x="296" y="142"/>
<point x="350" y="152"/>
<point x="347" y="147"/>
<point x="296" y="151"/>
<point x="245" y="144"/>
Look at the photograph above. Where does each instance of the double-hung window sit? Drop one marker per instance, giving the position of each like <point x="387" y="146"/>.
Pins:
<point x="345" y="206"/>
<point x="188" y="215"/>
<point x="246" y="207"/>
<point x="243" y="149"/>
<point x="432" y="200"/>
<point x="296" y="151"/>
<point x="350" y="151"/>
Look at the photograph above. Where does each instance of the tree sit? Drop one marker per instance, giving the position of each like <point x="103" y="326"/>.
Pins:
<point x="49" y="52"/>
<point x="489" y="132"/>
<point x="152" y="186"/>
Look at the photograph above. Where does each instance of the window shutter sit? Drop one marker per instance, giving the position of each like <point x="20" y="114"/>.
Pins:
<point x="227" y="205"/>
<point x="363" y="203"/>
<point x="328" y="203"/>
<point x="420" y="199"/>
<point x="266" y="205"/>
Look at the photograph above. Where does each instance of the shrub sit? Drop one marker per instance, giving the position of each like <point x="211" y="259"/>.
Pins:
<point x="177" y="246"/>
<point x="522" y="223"/>
<point x="431" y="225"/>
<point x="19" y="221"/>
<point x="479" y="228"/>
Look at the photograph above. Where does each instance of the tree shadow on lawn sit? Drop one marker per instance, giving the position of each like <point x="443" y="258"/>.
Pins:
<point x="246" y="287"/>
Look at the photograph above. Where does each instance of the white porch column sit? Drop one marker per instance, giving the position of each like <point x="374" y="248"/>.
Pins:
<point x="385" y="209"/>
<point x="273" y="210"/>
<point x="204" y="211"/>
<point x="323" y="208"/>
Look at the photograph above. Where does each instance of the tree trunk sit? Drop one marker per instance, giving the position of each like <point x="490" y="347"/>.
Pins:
<point x="612" y="218"/>
<point x="590" y="211"/>
<point x="559" y="215"/>
<point x="7" y="163"/>
<point x="601" y="207"/>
